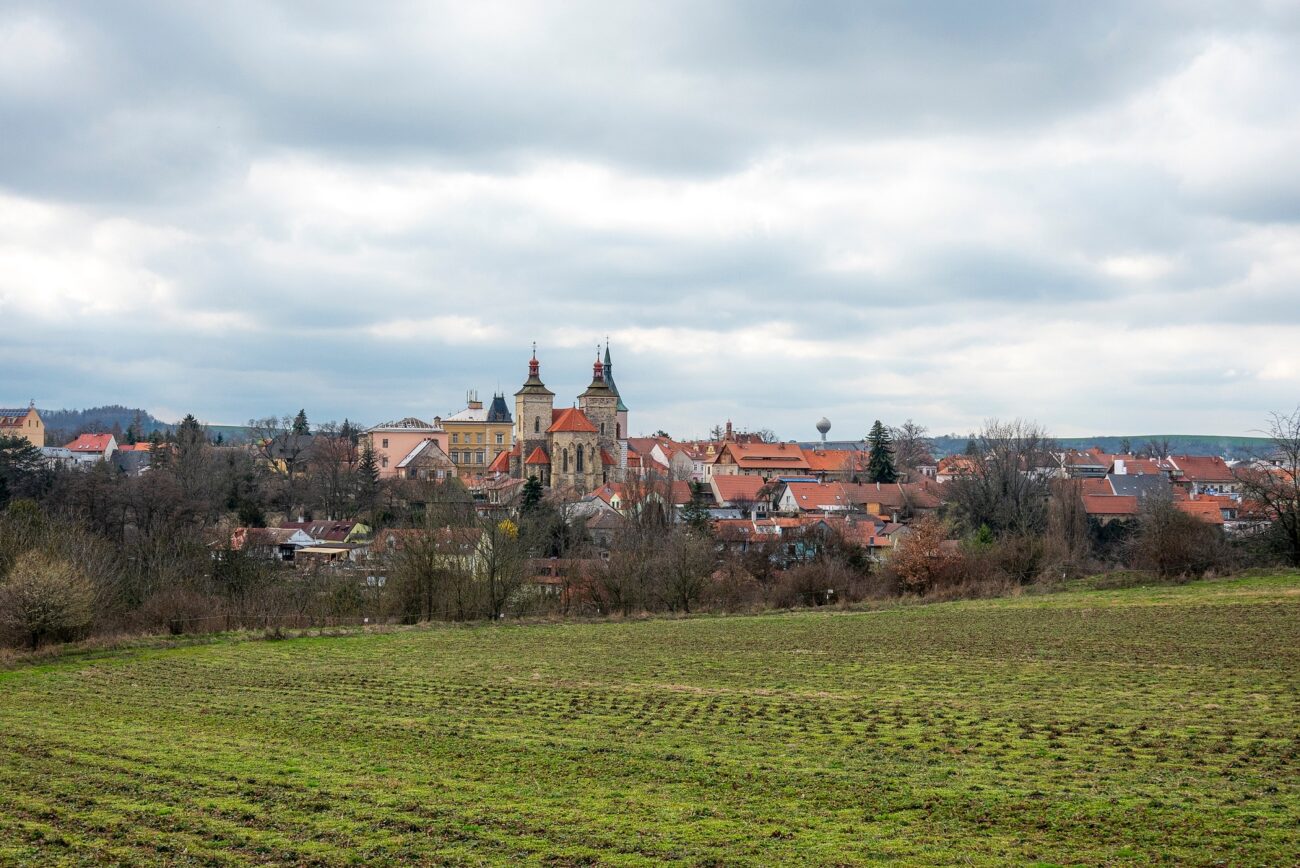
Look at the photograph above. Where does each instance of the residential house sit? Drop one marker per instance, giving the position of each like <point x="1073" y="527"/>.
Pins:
<point x="766" y="460"/>
<point x="330" y="531"/>
<point x="951" y="467"/>
<point x="25" y="423"/>
<point x="746" y="493"/>
<point x="426" y="461"/>
<point x="1199" y="474"/>
<point x="92" y="448"/>
<point x="391" y="442"/>
<point x="276" y="543"/>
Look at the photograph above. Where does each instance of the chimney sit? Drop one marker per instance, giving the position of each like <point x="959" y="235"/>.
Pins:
<point x="1120" y="469"/>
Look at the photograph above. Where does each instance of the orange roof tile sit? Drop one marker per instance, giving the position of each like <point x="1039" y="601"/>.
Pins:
<point x="1110" y="504"/>
<point x="538" y="456"/>
<point x="1206" y="510"/>
<point x="501" y="464"/>
<point x="571" y="419"/>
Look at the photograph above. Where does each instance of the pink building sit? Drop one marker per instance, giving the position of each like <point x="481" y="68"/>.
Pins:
<point x="393" y="441"/>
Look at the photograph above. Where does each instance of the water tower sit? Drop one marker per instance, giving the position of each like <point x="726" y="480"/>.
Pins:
<point x="823" y="426"/>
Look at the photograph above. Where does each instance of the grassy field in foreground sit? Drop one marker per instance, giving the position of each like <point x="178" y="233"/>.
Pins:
<point x="1129" y="726"/>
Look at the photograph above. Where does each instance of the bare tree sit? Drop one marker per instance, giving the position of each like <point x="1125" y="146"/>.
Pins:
<point x="1007" y="489"/>
<point x="1272" y="481"/>
<point x="686" y="561"/>
<point x="912" y="445"/>
<point x="284" y="448"/>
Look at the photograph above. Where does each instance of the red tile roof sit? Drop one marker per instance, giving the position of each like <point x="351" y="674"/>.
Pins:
<point x="730" y="488"/>
<point x="90" y="443"/>
<point x="1202" y="468"/>
<point x="571" y="419"/>
<point x="1206" y="510"/>
<point x="1110" y="504"/>
<point x="607" y="459"/>
<point x="759" y="456"/>
<point x="501" y="464"/>
<point x="538" y="456"/>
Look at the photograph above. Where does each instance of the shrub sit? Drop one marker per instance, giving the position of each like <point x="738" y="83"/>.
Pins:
<point x="179" y="610"/>
<point x="45" y="598"/>
<point x="1174" y="544"/>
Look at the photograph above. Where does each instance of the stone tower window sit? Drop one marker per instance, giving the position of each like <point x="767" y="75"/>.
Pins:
<point x="537" y="424"/>
<point x="618" y="430"/>
<point x="602" y="429"/>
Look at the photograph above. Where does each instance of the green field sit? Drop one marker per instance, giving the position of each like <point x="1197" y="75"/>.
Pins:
<point x="1129" y="726"/>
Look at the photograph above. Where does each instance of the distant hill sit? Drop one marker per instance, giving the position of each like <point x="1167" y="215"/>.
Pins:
<point x="1179" y="444"/>
<point x="64" y="425"/>
<point x="109" y="418"/>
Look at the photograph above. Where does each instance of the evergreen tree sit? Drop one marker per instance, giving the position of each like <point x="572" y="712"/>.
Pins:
<point x="300" y="425"/>
<point x="368" y="480"/>
<point x="972" y="448"/>
<point x="532" y="494"/>
<point x="134" y="431"/>
<point x="695" y="514"/>
<point x="880" y="460"/>
<point x="22" y="469"/>
<point x="189" y="432"/>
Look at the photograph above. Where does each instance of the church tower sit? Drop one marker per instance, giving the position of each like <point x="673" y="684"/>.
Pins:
<point x="600" y="404"/>
<point x="620" y="420"/>
<point x="533" y="405"/>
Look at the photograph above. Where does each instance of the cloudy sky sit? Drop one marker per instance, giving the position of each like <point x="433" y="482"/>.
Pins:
<point x="1087" y="214"/>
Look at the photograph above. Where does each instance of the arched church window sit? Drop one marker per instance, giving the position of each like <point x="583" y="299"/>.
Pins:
<point x="566" y="460"/>
<point x="579" y="457"/>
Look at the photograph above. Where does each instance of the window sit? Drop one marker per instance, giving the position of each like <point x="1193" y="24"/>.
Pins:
<point x="455" y="457"/>
<point x="385" y="443"/>
<point x="385" y="461"/>
<point x="478" y="457"/>
<point x="579" y="457"/>
<point x="500" y="438"/>
<point x="537" y="424"/>
<point x="602" y="429"/>
<point x="566" y="461"/>
<point x="480" y="438"/>
<point x="618" y="430"/>
<point x="455" y="438"/>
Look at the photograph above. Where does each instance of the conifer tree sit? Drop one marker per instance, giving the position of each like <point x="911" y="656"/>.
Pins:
<point x="880" y="460"/>
<point x="367" y="479"/>
<point x="532" y="496"/>
<point x="695" y="514"/>
<point x="300" y="425"/>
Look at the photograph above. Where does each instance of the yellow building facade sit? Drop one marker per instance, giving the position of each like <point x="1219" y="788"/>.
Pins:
<point x="478" y="434"/>
<point x="25" y="423"/>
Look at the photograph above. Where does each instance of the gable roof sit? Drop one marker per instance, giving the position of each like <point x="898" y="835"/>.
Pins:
<point x="538" y="456"/>
<point x="501" y="464"/>
<point x="1202" y="468"/>
<point x="1208" y="511"/>
<point x="571" y="419"/>
<point x="425" y="450"/>
<point x="1110" y="504"/>
<point x="90" y="443"/>
<point x="756" y="456"/>
<point x="728" y="488"/>
<point x="818" y="495"/>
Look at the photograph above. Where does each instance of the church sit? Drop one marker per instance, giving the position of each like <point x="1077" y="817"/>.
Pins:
<point x="582" y="447"/>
